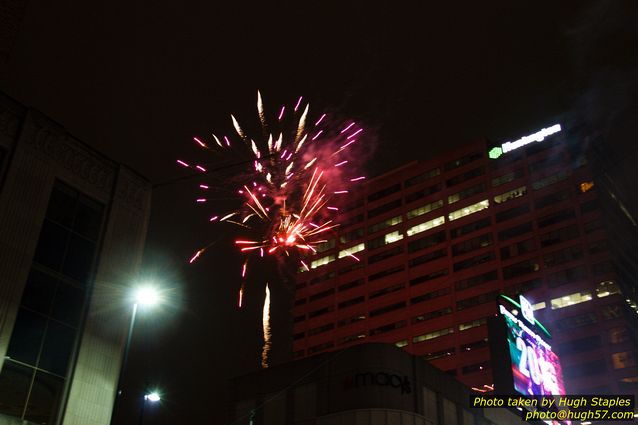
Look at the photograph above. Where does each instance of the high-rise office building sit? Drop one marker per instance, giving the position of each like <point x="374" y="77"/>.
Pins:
<point x="437" y="241"/>
<point x="72" y="230"/>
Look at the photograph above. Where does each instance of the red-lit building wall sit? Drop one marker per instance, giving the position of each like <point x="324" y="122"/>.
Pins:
<point x="443" y="238"/>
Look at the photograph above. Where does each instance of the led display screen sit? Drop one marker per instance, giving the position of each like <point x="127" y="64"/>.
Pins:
<point x="535" y="367"/>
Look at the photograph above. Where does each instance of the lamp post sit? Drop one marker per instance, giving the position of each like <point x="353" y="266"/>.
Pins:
<point x="144" y="296"/>
<point x="152" y="397"/>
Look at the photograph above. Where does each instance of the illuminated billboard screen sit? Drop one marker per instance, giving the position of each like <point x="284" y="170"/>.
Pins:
<point x="536" y="368"/>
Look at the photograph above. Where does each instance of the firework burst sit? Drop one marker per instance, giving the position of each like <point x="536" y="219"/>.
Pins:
<point x="289" y="194"/>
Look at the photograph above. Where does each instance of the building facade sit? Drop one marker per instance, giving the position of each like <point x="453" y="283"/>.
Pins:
<point x="437" y="241"/>
<point x="73" y="225"/>
<point x="360" y="385"/>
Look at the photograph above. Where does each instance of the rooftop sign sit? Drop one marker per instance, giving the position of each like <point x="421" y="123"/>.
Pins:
<point x="539" y="136"/>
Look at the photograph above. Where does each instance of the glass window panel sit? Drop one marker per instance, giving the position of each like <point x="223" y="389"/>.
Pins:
<point x="15" y="380"/>
<point x="88" y="219"/>
<point x="62" y="204"/>
<point x="26" y="337"/>
<point x="68" y="304"/>
<point x="57" y="348"/>
<point x="79" y="257"/>
<point x="44" y="399"/>
<point x="50" y="249"/>
<point x="39" y="291"/>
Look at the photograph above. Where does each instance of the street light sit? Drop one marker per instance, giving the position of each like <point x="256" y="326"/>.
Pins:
<point x="146" y="296"/>
<point x="152" y="397"/>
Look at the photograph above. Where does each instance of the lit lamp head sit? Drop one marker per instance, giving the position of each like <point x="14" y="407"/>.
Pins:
<point x="153" y="397"/>
<point x="147" y="296"/>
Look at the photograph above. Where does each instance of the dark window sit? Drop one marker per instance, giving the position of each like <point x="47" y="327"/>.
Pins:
<point x="474" y="261"/>
<point x="440" y="353"/>
<point x="598" y="247"/>
<point x="426" y="242"/>
<point x="300" y="301"/>
<point x="353" y="319"/>
<point x="577" y="321"/>
<point x="429" y="276"/>
<point x="563" y="277"/>
<point x="434" y="255"/>
<point x="551" y="199"/>
<point x="508" y="159"/>
<point x="322" y="278"/>
<point x="462" y="161"/>
<point x="472" y="244"/>
<point x="520" y="269"/>
<point x="465" y="176"/>
<point x="602" y="268"/>
<point x="298" y="319"/>
<point x="474" y="301"/>
<point x="357" y="203"/>
<point x="422" y="193"/>
<point x="388" y="328"/>
<point x="385" y="273"/>
<point x="584" y="369"/>
<point x="518" y="248"/>
<point x="387" y="290"/>
<point x="560" y="235"/>
<point x="589" y="206"/>
<point x="46" y="327"/>
<point x="512" y="212"/>
<point x="384" y="208"/>
<point x="524" y="287"/>
<point x="476" y="280"/>
<point x="550" y="180"/>
<point x="321" y="295"/>
<point x="351" y="267"/>
<point x="580" y="344"/>
<point x="592" y="226"/>
<point x="475" y="345"/>
<point x="384" y="192"/>
<point x="351" y="284"/>
<point x="385" y="254"/>
<point x="422" y="177"/>
<point x="469" y="228"/>
<point x="351" y="302"/>
<point x="320" y="312"/>
<point x="545" y="163"/>
<point x="476" y="367"/>
<point x="352" y="220"/>
<point x="432" y="315"/>
<point x="387" y="309"/>
<point x="321" y="329"/>
<point x="351" y="235"/>
<point x="430" y="295"/>
<point x="464" y="194"/>
<point x="320" y="347"/>
<point x="515" y="231"/>
<point x="556" y="217"/>
<point x="506" y="178"/>
<point x="298" y="336"/>
<point x="563" y="256"/>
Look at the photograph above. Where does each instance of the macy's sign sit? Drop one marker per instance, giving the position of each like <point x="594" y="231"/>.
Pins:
<point x="381" y="379"/>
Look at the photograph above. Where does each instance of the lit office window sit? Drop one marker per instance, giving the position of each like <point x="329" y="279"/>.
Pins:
<point x="571" y="299"/>
<point x="352" y="250"/>
<point x="510" y="194"/>
<point x="432" y="335"/>
<point x="393" y="237"/>
<point x="473" y="324"/>
<point x="427" y="225"/>
<point x="322" y="261"/>
<point x="470" y="209"/>
<point x="385" y="224"/>
<point x="424" y="209"/>
<point x="606" y="288"/>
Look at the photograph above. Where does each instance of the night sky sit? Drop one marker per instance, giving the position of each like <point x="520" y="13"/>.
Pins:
<point x="138" y="81"/>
